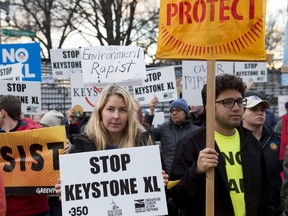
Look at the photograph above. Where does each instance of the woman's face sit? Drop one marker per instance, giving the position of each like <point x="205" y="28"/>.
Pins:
<point x="115" y="115"/>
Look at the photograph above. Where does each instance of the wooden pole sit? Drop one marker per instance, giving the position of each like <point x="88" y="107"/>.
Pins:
<point x="210" y="125"/>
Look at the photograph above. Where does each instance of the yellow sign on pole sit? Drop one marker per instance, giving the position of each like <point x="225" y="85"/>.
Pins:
<point x="212" y="30"/>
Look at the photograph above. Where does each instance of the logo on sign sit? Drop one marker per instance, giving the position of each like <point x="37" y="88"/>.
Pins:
<point x="28" y="55"/>
<point x="115" y="211"/>
<point x="147" y="205"/>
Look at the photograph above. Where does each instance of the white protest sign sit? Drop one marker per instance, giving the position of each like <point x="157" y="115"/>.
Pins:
<point x="113" y="182"/>
<point x="81" y="95"/>
<point x="11" y="72"/>
<point x="194" y="77"/>
<point x="160" y="83"/>
<point x="65" y="62"/>
<point x="112" y="64"/>
<point x="28" y="92"/>
<point x="255" y="71"/>
<point x="159" y="118"/>
<point x="282" y="99"/>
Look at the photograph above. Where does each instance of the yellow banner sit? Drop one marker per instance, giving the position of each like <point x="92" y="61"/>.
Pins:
<point x="29" y="160"/>
<point x="212" y="30"/>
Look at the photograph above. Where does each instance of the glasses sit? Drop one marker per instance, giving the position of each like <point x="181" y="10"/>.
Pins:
<point x="176" y="109"/>
<point x="229" y="103"/>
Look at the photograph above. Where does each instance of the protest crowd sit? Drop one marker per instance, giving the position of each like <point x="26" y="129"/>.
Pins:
<point x="117" y="121"/>
<point x="118" y="151"/>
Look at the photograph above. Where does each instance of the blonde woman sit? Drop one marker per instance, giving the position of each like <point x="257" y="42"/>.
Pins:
<point x="113" y="124"/>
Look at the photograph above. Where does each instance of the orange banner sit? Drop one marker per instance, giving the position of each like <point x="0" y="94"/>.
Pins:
<point x="29" y="160"/>
<point x="212" y="30"/>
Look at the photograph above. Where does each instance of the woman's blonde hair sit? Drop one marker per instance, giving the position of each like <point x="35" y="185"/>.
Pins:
<point x="95" y="129"/>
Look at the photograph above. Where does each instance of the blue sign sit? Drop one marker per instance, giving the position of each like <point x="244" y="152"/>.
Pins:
<point x="27" y="54"/>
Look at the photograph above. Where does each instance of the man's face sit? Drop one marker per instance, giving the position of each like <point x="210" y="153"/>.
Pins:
<point x="227" y="115"/>
<point x="177" y="115"/>
<point x="254" y="116"/>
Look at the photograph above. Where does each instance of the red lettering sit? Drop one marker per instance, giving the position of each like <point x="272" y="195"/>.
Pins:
<point x="185" y="13"/>
<point x="196" y="11"/>
<point x="169" y="12"/>
<point x="235" y="15"/>
<point x="222" y="10"/>
<point x="199" y="10"/>
<point x="252" y="9"/>
<point x="212" y="9"/>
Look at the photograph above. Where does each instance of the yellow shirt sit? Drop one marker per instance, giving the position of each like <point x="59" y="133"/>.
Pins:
<point x="230" y="150"/>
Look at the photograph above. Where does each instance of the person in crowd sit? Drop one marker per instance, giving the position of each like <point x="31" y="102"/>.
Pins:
<point x="271" y="119"/>
<point x="113" y="124"/>
<point x="2" y="197"/>
<point x="10" y="121"/>
<point x="253" y="119"/>
<point x="74" y="121"/>
<point x="284" y="188"/>
<point x="169" y="133"/>
<point x="241" y="186"/>
<point x="278" y="126"/>
<point x="50" y="119"/>
<point x="146" y="123"/>
<point x="37" y="118"/>
<point x="198" y="115"/>
<point x="148" y="117"/>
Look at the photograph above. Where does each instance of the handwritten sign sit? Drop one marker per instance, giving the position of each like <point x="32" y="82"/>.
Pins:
<point x="194" y="76"/>
<point x="28" y="92"/>
<point x="64" y="62"/>
<point x="160" y="83"/>
<point x="29" y="160"/>
<point x="114" y="182"/>
<point x="212" y="30"/>
<point x="112" y="64"/>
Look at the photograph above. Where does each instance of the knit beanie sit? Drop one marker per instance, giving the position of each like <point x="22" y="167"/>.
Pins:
<point x="180" y="103"/>
<point x="52" y="118"/>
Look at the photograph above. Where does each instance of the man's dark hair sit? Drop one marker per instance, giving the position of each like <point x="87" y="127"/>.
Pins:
<point x="224" y="82"/>
<point x="12" y="105"/>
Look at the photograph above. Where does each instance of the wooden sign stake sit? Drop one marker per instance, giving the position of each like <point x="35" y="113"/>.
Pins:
<point x="210" y="125"/>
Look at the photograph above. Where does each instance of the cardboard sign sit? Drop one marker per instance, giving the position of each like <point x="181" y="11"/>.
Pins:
<point x="218" y="30"/>
<point x="160" y="83"/>
<point x="113" y="182"/>
<point x="29" y="160"/>
<point x="64" y="62"/>
<point x="104" y="65"/>
<point x="28" y="92"/>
